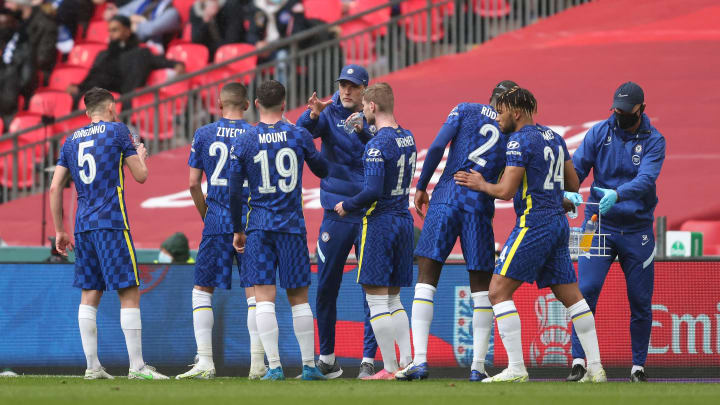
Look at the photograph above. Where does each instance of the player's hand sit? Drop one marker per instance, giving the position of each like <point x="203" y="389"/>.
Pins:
<point x="608" y="200"/>
<point x="63" y="244"/>
<point x="340" y="210"/>
<point x="239" y="241"/>
<point x="575" y="198"/>
<point x="472" y="180"/>
<point x="141" y="151"/>
<point x="316" y="106"/>
<point x="357" y="122"/>
<point x="421" y="199"/>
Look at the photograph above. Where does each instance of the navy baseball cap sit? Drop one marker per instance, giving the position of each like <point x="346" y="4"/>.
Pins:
<point x="627" y="96"/>
<point x="354" y="73"/>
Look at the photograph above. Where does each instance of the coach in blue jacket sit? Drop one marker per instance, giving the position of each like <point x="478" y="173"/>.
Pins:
<point x="344" y="152"/>
<point x="625" y="154"/>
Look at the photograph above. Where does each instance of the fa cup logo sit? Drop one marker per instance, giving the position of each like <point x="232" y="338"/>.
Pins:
<point x="551" y="346"/>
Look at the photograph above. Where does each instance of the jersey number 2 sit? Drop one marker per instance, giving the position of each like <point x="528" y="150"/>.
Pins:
<point x="556" y="172"/>
<point x="475" y="155"/>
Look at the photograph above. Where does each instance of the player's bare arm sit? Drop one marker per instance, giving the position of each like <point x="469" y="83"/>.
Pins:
<point x="422" y="199"/>
<point x="316" y="105"/>
<point x="504" y="189"/>
<point x="572" y="181"/>
<point x="196" y="191"/>
<point x="63" y="243"/>
<point x="137" y="165"/>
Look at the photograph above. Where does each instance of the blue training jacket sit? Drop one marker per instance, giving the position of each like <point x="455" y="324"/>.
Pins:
<point x="627" y="163"/>
<point x="344" y="153"/>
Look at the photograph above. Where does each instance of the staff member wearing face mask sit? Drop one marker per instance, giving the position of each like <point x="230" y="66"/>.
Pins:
<point x="175" y="249"/>
<point x="625" y="154"/>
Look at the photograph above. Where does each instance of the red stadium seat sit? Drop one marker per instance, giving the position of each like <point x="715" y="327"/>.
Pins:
<point x="194" y="56"/>
<point x="326" y="10"/>
<point x="711" y="234"/>
<point x="97" y="31"/>
<point x="2" y="126"/>
<point x="53" y="103"/>
<point x="416" y="25"/>
<point x="98" y="12"/>
<point x="230" y="51"/>
<point x="63" y="76"/>
<point x="144" y="119"/>
<point x="84" y="54"/>
<point x="491" y="8"/>
<point x="220" y="76"/>
<point x="378" y="17"/>
<point x="183" y="7"/>
<point x="359" y="49"/>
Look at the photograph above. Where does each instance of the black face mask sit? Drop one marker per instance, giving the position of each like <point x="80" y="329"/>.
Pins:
<point x="626" y="121"/>
<point x="5" y="34"/>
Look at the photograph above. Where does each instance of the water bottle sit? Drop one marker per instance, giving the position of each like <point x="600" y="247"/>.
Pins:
<point x="356" y="118"/>
<point x="587" y="237"/>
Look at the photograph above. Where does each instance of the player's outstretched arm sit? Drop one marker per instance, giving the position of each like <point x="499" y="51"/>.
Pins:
<point x="504" y="189"/>
<point x="196" y="191"/>
<point x="315" y="161"/>
<point x="62" y="239"/>
<point x="137" y="165"/>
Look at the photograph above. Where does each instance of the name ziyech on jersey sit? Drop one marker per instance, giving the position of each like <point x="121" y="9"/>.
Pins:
<point x="229" y="132"/>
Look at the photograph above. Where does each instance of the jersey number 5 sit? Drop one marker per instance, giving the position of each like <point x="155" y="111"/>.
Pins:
<point x="475" y="155"/>
<point x="86" y="158"/>
<point x="556" y="172"/>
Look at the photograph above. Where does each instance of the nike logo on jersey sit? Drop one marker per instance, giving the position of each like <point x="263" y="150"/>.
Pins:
<point x="645" y="240"/>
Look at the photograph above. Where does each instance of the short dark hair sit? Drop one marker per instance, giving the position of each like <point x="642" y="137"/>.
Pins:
<point x="501" y="87"/>
<point x="125" y="21"/>
<point x="234" y="95"/>
<point x="519" y="99"/>
<point x="382" y="95"/>
<point x="271" y="94"/>
<point x="96" y="97"/>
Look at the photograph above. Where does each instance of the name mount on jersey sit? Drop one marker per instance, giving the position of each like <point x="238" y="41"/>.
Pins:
<point x="272" y="137"/>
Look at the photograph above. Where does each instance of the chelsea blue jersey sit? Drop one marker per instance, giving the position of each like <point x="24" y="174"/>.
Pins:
<point x="391" y="154"/>
<point x="542" y="153"/>
<point x="94" y="155"/>
<point x="271" y="158"/>
<point x="477" y="144"/>
<point x="210" y="152"/>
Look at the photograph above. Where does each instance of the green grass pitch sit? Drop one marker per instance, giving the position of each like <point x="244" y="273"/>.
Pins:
<point x="75" y="391"/>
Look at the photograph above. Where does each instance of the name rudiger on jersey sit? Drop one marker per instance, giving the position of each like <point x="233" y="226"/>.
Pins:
<point x="93" y="130"/>
<point x="488" y="112"/>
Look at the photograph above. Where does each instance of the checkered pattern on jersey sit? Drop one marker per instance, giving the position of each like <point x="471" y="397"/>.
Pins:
<point x="210" y="152"/>
<point x="444" y="223"/>
<point x="386" y="251"/>
<point x="266" y="252"/>
<point x="101" y="202"/>
<point x="542" y="153"/>
<point x="539" y="253"/>
<point x="385" y="157"/>
<point x="104" y="260"/>
<point x="475" y="128"/>
<point x="275" y="200"/>
<point x="215" y="261"/>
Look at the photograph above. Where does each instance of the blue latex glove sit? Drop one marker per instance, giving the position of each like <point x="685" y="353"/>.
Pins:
<point x="575" y="198"/>
<point x="609" y="199"/>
